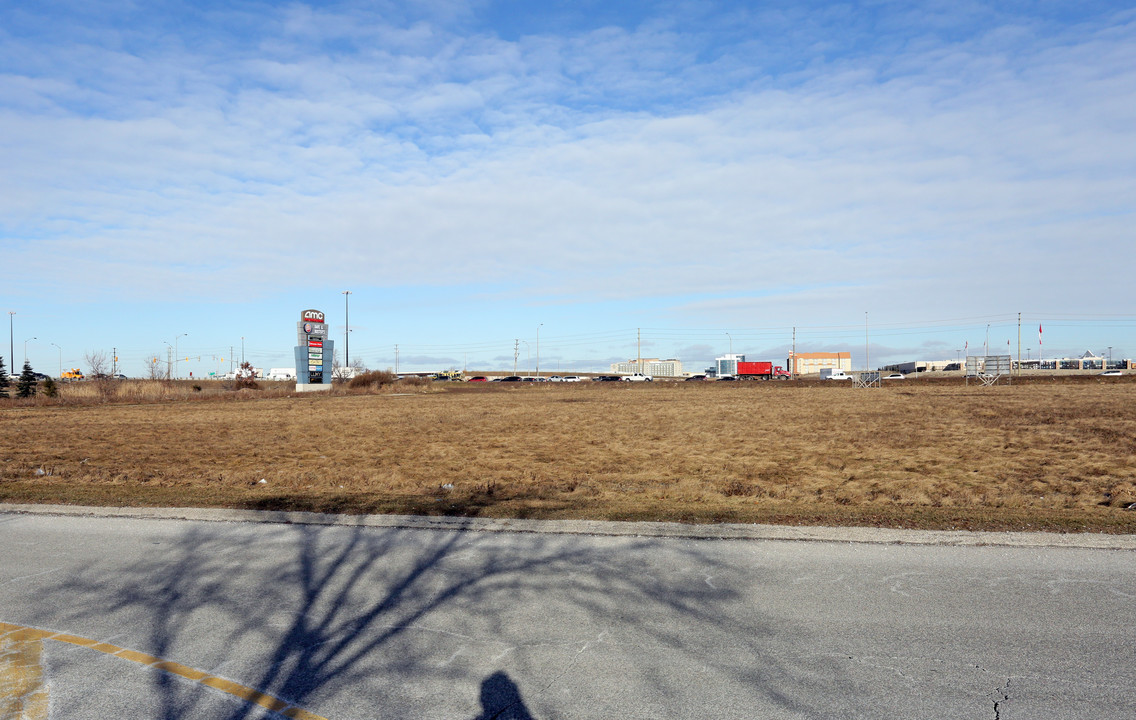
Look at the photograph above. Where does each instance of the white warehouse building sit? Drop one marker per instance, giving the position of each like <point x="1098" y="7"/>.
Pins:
<point x="649" y="366"/>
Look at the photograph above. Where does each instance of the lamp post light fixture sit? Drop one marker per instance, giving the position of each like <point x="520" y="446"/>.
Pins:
<point x="26" y="348"/>
<point x="60" y="359"/>
<point x="11" y="341"/>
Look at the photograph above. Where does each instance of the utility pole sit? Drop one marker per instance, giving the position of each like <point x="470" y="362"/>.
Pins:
<point x="396" y="359"/>
<point x="793" y="362"/>
<point x="867" y="360"/>
<point x="516" y="352"/>
<point x="60" y="360"/>
<point x="538" y="327"/>
<point x="230" y="358"/>
<point x="11" y="344"/>
<point x="639" y="349"/>
<point x="114" y="362"/>
<point x="1019" y="344"/>
<point x="347" y="329"/>
<point x="242" y="349"/>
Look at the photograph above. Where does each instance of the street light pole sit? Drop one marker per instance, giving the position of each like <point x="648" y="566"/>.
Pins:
<point x="176" y="358"/>
<point x="26" y="348"/>
<point x="60" y="360"/>
<point x="11" y="342"/>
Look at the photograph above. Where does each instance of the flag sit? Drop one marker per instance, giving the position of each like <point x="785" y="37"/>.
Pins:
<point x="1039" y="334"/>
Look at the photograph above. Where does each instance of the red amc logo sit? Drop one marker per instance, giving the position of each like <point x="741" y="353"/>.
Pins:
<point x="312" y="316"/>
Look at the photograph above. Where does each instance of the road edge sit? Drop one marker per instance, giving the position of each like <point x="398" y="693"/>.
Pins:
<point x="725" y="531"/>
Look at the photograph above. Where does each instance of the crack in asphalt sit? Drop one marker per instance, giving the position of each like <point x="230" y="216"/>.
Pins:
<point x="1004" y="691"/>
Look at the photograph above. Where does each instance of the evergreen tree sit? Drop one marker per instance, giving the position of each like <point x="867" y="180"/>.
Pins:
<point x="26" y="387"/>
<point x="3" y="379"/>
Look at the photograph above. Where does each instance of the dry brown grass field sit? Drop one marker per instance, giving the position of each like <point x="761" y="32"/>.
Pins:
<point x="1036" y="456"/>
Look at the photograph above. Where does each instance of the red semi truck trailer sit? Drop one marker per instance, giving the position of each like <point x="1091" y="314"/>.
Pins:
<point x="761" y="371"/>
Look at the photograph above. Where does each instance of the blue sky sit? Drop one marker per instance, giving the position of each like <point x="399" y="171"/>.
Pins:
<point x="701" y="175"/>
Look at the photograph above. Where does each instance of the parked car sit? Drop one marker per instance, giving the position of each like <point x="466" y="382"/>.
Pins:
<point x="727" y="378"/>
<point x="479" y="378"/>
<point x="696" y="378"/>
<point x="895" y="376"/>
<point x="509" y="378"/>
<point x="1111" y="373"/>
<point x="571" y="378"/>
<point x="607" y="378"/>
<point x="637" y="377"/>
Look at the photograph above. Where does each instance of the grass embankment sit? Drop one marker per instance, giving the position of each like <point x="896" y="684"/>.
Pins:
<point x="1054" y="456"/>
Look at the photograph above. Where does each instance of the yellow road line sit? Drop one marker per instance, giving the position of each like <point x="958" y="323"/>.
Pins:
<point x="23" y="694"/>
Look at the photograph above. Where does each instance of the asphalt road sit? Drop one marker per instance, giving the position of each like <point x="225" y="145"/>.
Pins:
<point x="399" y="622"/>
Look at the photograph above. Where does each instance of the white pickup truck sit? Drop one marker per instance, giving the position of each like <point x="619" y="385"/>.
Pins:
<point x="637" y="377"/>
<point x="834" y="374"/>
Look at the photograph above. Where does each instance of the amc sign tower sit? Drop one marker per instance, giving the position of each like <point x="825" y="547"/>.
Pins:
<point x="314" y="352"/>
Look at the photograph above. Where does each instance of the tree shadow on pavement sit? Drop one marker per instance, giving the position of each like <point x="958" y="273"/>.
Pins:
<point x="366" y="622"/>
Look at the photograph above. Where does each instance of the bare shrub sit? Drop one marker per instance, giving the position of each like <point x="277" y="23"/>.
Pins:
<point x="154" y="369"/>
<point x="374" y="378"/>
<point x="98" y="372"/>
<point x="246" y="378"/>
<point x="98" y="365"/>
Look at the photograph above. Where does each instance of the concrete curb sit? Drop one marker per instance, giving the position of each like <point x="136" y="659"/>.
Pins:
<point x="877" y="536"/>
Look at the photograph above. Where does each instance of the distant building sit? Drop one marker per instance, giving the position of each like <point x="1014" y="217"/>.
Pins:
<point x="918" y="366"/>
<point x="649" y="366"/>
<point x="726" y="365"/>
<point x="813" y="363"/>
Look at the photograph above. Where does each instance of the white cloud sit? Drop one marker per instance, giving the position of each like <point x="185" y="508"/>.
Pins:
<point x="591" y="163"/>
